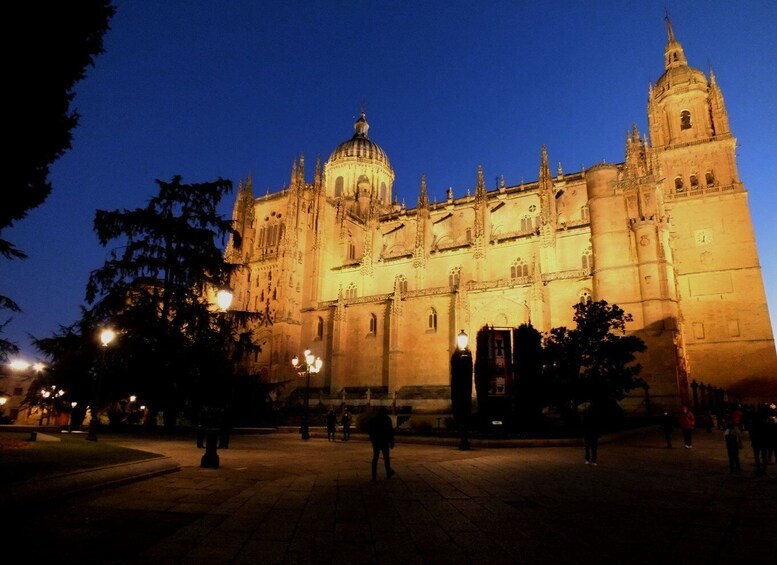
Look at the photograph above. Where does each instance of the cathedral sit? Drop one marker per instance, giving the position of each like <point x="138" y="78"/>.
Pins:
<point x="379" y="291"/>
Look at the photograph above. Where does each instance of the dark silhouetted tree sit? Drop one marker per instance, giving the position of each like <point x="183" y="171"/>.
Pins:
<point x="529" y="388"/>
<point x="153" y="289"/>
<point x="595" y="361"/>
<point x="56" y="42"/>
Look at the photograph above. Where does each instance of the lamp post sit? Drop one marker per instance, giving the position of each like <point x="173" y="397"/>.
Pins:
<point x="310" y="364"/>
<point x="461" y="387"/>
<point x="107" y="335"/>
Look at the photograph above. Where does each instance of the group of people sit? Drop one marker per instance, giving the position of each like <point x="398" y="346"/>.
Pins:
<point x="331" y="425"/>
<point x="758" y="423"/>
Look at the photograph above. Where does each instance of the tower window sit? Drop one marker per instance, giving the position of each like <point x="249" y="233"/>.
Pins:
<point x="587" y="260"/>
<point x="373" y="324"/>
<point x="431" y="323"/>
<point x="678" y="184"/>
<point x="400" y="283"/>
<point x="320" y="328"/>
<point x="454" y="277"/>
<point x="339" y="187"/>
<point x="383" y="192"/>
<point x="351" y="251"/>
<point x="709" y="178"/>
<point x="527" y="224"/>
<point x="694" y="182"/>
<point x="685" y="119"/>
<point x="519" y="269"/>
<point x="350" y="292"/>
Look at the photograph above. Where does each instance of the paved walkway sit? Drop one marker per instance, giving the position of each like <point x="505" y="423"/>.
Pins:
<point x="277" y="499"/>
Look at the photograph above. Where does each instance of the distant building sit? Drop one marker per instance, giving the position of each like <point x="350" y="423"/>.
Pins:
<point x="380" y="291"/>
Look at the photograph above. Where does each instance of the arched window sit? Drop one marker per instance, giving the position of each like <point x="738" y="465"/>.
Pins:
<point x="373" y="324"/>
<point x="320" y="328"/>
<point x="400" y="283"/>
<point x="585" y="297"/>
<point x="431" y="317"/>
<point x="519" y="269"/>
<point x="527" y="223"/>
<point x="454" y="277"/>
<point x="350" y="292"/>
<point x="339" y="187"/>
<point x="383" y="192"/>
<point x="584" y="213"/>
<point x="678" y="184"/>
<point x="469" y="235"/>
<point x="694" y="182"/>
<point x="685" y="119"/>
<point x="281" y="232"/>
<point x="709" y="178"/>
<point x="351" y="250"/>
<point x="587" y="260"/>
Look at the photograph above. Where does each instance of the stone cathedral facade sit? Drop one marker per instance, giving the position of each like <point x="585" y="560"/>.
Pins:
<point x="380" y="291"/>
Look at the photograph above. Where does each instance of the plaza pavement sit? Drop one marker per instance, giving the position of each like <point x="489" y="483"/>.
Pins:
<point x="278" y="499"/>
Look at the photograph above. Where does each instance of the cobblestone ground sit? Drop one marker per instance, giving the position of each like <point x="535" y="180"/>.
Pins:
<point x="277" y="499"/>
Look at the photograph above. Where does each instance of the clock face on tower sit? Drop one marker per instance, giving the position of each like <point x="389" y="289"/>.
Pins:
<point x="702" y="237"/>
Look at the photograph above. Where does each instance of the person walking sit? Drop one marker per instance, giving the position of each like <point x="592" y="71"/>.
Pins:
<point x="758" y="439"/>
<point x="331" y="425"/>
<point x="667" y="425"/>
<point x="687" y="423"/>
<point x="591" y="430"/>
<point x="346" y="423"/>
<point x="381" y="432"/>
<point x="733" y="438"/>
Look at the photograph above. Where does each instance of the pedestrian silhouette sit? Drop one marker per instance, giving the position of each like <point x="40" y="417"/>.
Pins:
<point x="733" y="439"/>
<point x="759" y="439"/>
<point x="382" y="438"/>
<point x="591" y="430"/>
<point x="346" y="423"/>
<point x="667" y="425"/>
<point x="331" y="425"/>
<point x="687" y="423"/>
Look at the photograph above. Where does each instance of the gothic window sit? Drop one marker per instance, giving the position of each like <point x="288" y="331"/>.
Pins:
<point x="469" y="235"/>
<point x="454" y="277"/>
<point x="685" y="119"/>
<point x="527" y="223"/>
<point x="585" y="297"/>
<point x="587" y="260"/>
<point x="269" y="275"/>
<point x="401" y="284"/>
<point x="373" y="324"/>
<point x="678" y="184"/>
<point x="320" y="328"/>
<point x="694" y="182"/>
<point x="519" y="269"/>
<point x="350" y="292"/>
<point x="281" y="232"/>
<point x="339" y="187"/>
<point x="383" y="192"/>
<point x="351" y="251"/>
<point x="709" y="178"/>
<point x="431" y="317"/>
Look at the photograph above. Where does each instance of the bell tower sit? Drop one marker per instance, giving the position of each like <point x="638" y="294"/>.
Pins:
<point x="724" y="319"/>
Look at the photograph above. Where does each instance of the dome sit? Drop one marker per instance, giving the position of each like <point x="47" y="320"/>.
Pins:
<point x="360" y="146"/>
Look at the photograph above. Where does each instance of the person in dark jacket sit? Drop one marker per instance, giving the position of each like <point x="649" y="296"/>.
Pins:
<point x="592" y="422"/>
<point x="382" y="439"/>
<point x="331" y="425"/>
<point x="667" y="424"/>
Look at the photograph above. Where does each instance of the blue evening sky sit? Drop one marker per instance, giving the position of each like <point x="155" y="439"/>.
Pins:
<point x="207" y="89"/>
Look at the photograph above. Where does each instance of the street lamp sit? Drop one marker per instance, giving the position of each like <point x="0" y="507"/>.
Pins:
<point x="461" y="387"/>
<point x="107" y="335"/>
<point x="310" y="364"/>
<point x="224" y="299"/>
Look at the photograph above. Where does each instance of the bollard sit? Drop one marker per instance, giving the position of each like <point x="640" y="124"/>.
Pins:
<point x="211" y="458"/>
<point x="33" y="436"/>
